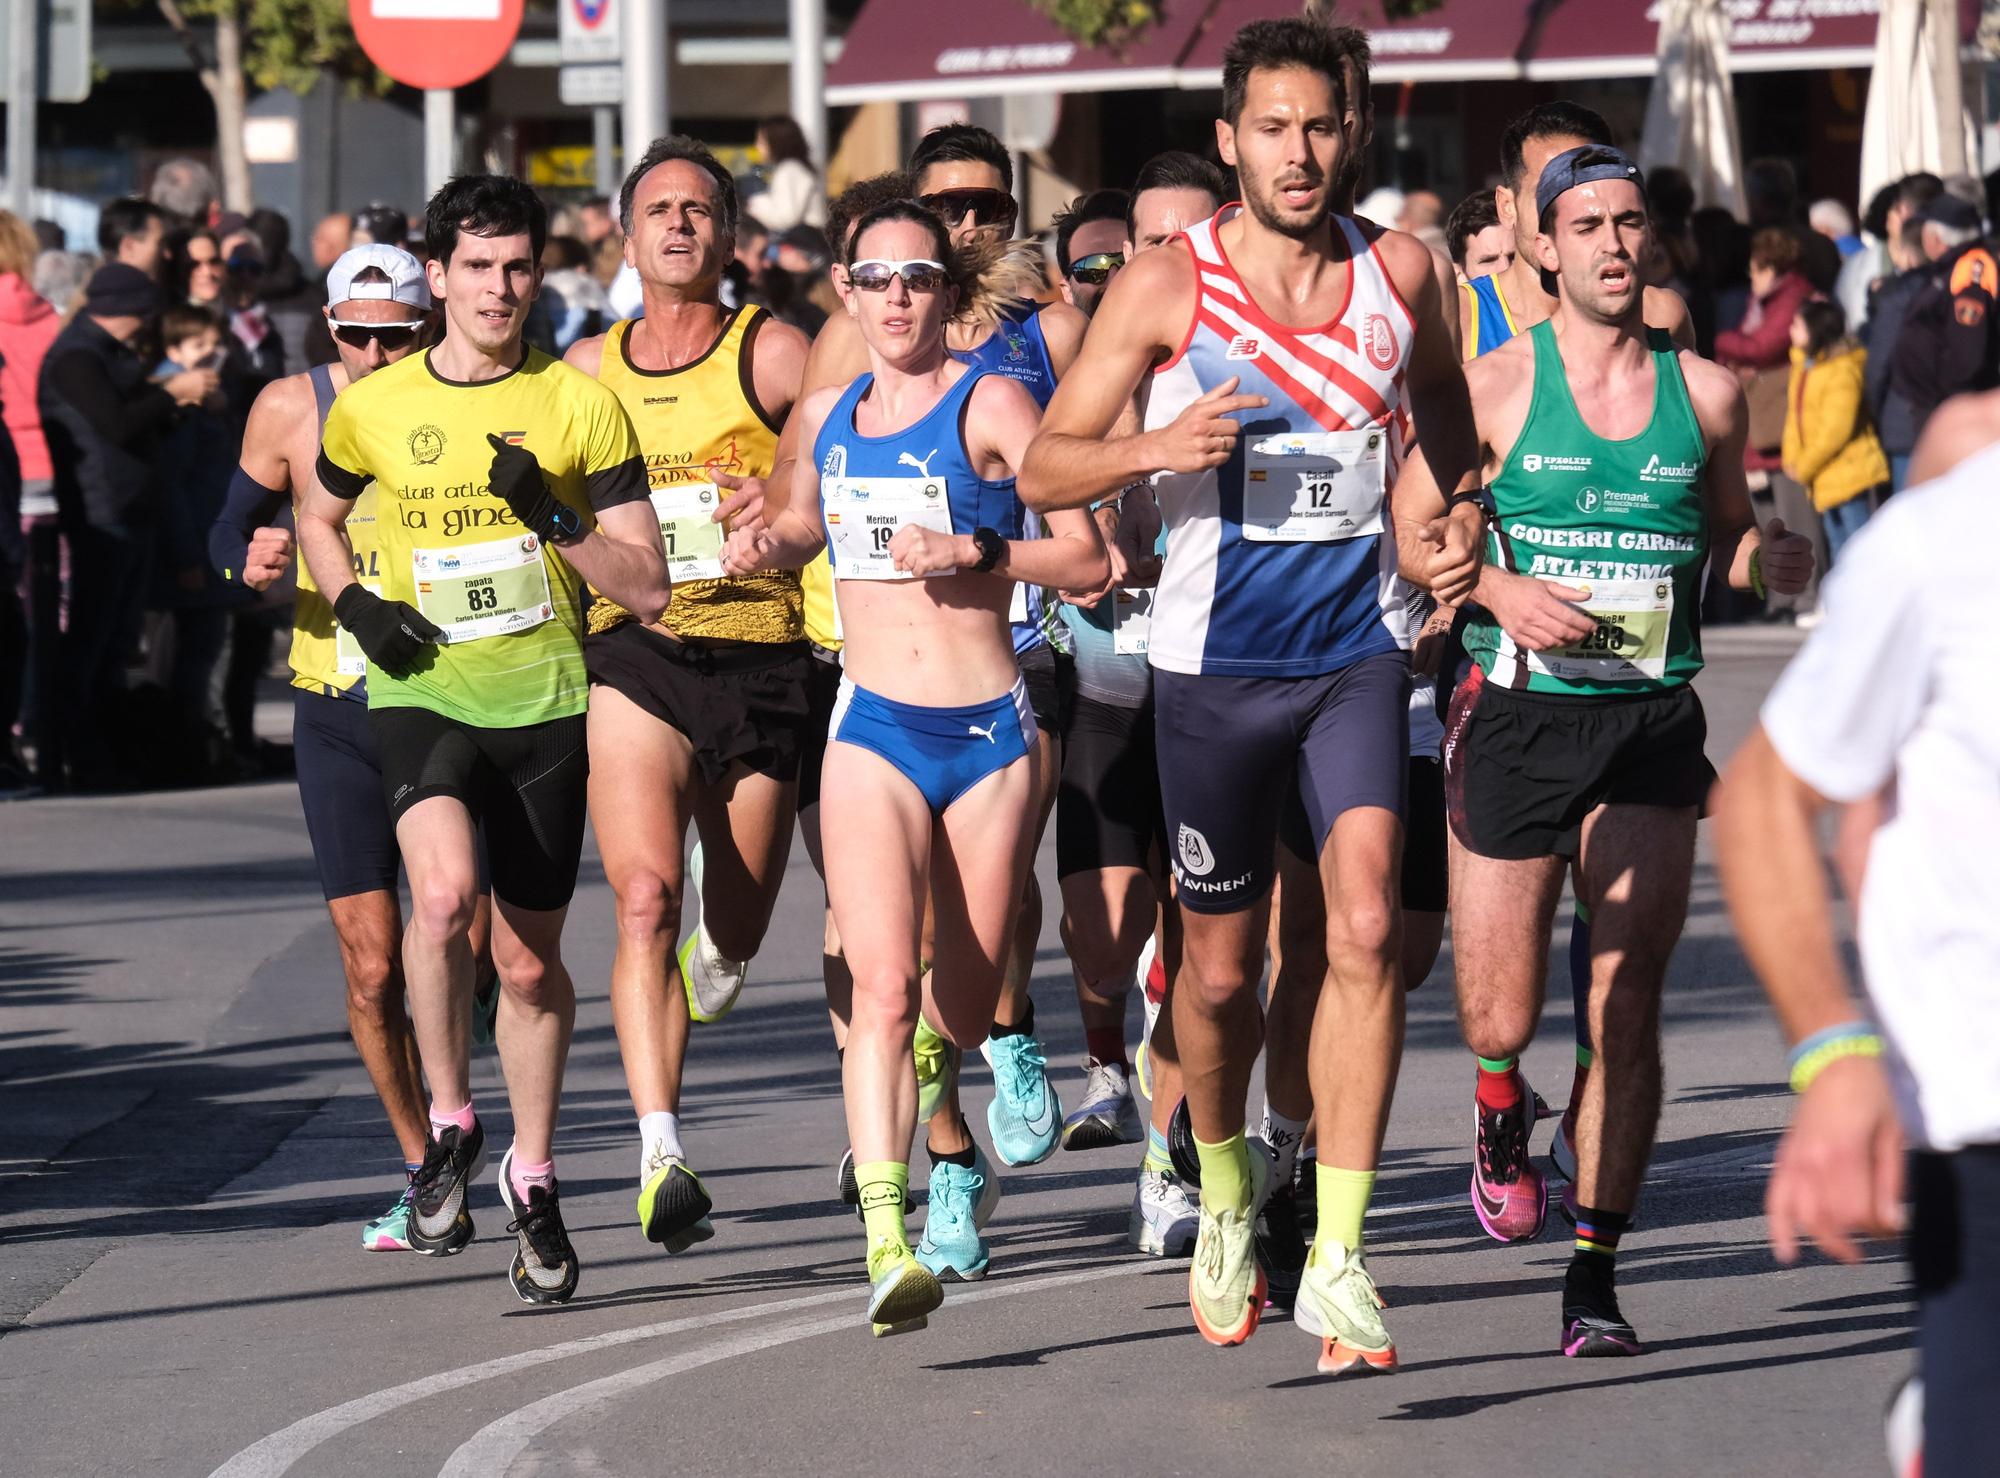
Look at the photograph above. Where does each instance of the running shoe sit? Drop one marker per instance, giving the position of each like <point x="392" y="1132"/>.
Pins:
<point x="1108" y="1116"/>
<point x="1165" y="1217"/>
<point x="485" y="1010"/>
<point x="673" y="1203"/>
<point x="1026" y="1113"/>
<point x="545" y="1266"/>
<point x="389" y="1232"/>
<point x="439" y="1223"/>
<point x="1338" y="1301"/>
<point x="1150" y="999"/>
<point x="713" y="980"/>
<point x="1226" y="1285"/>
<point x="962" y="1201"/>
<point x="1903" y="1427"/>
<point x="1180" y="1144"/>
<point x="902" y="1292"/>
<point x="1592" y="1325"/>
<point x="937" y="1068"/>
<point x="1281" y="1245"/>
<point x="1508" y="1193"/>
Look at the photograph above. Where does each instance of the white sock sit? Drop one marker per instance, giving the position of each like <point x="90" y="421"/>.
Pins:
<point x="1284" y="1136"/>
<point x="661" y="1130"/>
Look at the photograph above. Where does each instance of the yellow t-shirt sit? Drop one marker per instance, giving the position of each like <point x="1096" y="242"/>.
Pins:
<point x="822" y="613"/>
<point x="693" y="422"/>
<point x="510" y="606"/>
<point x="323" y="656"/>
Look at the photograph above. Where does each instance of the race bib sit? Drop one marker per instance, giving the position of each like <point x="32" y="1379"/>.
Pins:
<point x="689" y="530"/>
<point x="1630" y="644"/>
<point x="863" y="514"/>
<point x="480" y="590"/>
<point x="1017" y="607"/>
<point x="1315" y="487"/>
<point x="348" y="658"/>
<point x="1131" y="622"/>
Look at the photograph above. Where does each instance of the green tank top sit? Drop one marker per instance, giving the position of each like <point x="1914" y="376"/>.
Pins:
<point x="1624" y="520"/>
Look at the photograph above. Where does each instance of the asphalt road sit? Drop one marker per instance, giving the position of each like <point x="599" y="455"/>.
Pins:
<point x="191" y="1147"/>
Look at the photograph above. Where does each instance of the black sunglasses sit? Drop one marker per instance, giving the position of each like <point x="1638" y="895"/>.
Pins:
<point x="391" y="336"/>
<point x="1096" y="269"/>
<point x="992" y="207"/>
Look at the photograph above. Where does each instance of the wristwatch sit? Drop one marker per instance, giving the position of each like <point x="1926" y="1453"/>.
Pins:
<point x="1482" y="496"/>
<point x="568" y="525"/>
<point x="990" y="545"/>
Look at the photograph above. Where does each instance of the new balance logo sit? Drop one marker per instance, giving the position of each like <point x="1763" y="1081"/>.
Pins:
<point x="985" y="733"/>
<point x="1243" y="347"/>
<point x="923" y="467"/>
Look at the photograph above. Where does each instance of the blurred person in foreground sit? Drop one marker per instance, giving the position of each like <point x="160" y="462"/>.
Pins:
<point x="1899" y="1097"/>
<point x="1830" y="446"/>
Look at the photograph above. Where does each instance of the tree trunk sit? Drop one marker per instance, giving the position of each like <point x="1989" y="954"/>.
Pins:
<point x="229" y="94"/>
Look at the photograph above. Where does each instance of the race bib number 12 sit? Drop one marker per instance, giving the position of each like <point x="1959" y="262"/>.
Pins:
<point x="1314" y="487"/>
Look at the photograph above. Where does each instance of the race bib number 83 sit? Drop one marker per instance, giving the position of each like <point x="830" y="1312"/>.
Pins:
<point x="481" y="590"/>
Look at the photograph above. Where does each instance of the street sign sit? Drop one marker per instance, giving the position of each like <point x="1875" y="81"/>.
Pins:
<point x="65" y="27"/>
<point x="596" y="85"/>
<point x="435" y="43"/>
<point x="587" y="31"/>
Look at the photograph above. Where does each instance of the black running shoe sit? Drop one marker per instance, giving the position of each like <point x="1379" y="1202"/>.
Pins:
<point x="848" y="1186"/>
<point x="545" y="1267"/>
<point x="1180" y="1146"/>
<point x="440" y="1224"/>
<point x="1281" y="1246"/>
<point x="673" y="1204"/>
<point x="1592" y="1325"/>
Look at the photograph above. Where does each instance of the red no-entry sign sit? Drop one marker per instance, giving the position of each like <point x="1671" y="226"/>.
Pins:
<point x="435" y="43"/>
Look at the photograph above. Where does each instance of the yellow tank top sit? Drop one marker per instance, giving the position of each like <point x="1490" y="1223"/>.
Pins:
<point x="692" y="422"/>
<point x="822" y="615"/>
<point x="323" y="655"/>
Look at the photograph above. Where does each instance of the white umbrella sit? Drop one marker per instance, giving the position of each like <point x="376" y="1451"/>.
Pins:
<point x="1690" y="111"/>
<point x="1916" y="116"/>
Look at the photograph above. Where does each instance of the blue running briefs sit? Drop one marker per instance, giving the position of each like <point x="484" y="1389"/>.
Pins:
<point x="944" y="752"/>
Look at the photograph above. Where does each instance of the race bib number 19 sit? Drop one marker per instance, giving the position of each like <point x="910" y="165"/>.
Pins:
<point x="864" y="513"/>
<point x="689" y="530"/>
<point x="480" y="590"/>
<point x="1314" y="487"/>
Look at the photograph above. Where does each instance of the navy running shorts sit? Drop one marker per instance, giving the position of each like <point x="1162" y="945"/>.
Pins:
<point x="340" y="790"/>
<point x="1231" y="749"/>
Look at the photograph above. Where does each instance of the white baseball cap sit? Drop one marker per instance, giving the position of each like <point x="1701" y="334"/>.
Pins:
<point x="405" y="273"/>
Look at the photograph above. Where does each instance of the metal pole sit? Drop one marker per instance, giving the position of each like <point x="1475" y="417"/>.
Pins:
<point x="809" y="74"/>
<point x="23" y="87"/>
<point x="440" y="137"/>
<point x="604" y="149"/>
<point x="646" y="62"/>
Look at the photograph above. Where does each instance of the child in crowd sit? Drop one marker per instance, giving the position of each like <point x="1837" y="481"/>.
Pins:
<point x="1831" y="448"/>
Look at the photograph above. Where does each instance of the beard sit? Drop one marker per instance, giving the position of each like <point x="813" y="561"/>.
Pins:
<point x="1299" y="226"/>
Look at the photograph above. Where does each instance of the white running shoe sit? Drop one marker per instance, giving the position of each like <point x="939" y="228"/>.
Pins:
<point x="713" y="980"/>
<point x="1165" y="1217"/>
<point x="1108" y="1115"/>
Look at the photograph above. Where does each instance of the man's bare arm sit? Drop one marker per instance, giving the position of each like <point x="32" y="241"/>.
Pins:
<point x="323" y="540"/>
<point x="587" y="354"/>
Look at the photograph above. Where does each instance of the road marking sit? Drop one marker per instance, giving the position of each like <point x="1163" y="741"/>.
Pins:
<point x="494" y="1447"/>
<point x="276" y="1454"/>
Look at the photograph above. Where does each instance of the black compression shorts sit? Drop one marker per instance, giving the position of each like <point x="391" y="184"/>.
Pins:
<point x="1108" y="804"/>
<point x="822" y="693"/>
<point x="525" y="789"/>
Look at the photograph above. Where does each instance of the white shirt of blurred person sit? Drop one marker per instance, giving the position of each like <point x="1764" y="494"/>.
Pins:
<point x="792" y="195"/>
<point x="1885" y="700"/>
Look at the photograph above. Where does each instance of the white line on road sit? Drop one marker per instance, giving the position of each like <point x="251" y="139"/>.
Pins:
<point x="274" y="1455"/>
<point x="494" y="1447"/>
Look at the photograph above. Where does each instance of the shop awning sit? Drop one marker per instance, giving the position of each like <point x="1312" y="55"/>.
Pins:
<point x="906" y="50"/>
<point x="1457" y="41"/>
<point x="1618" y="38"/>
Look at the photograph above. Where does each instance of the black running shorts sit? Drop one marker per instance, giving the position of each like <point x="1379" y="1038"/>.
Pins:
<point x="737" y="702"/>
<point x="524" y="787"/>
<point x="1040" y="672"/>
<point x="340" y="790"/>
<point x="1523" y="770"/>
<point x="1232" y="750"/>
<point x="1108" y="803"/>
<point x="822" y="695"/>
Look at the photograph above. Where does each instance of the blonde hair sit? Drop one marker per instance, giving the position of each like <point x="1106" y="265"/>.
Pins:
<point x="18" y="246"/>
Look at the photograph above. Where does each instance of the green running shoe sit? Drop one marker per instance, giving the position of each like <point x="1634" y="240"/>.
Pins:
<point x="673" y="1204"/>
<point x="902" y="1291"/>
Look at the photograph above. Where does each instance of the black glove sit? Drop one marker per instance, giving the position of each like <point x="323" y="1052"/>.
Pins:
<point x="516" y="479"/>
<point x="389" y="631"/>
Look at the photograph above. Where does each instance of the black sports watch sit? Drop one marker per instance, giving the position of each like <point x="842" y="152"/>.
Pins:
<point x="990" y="545"/>
<point x="567" y="524"/>
<point x="1483" y="496"/>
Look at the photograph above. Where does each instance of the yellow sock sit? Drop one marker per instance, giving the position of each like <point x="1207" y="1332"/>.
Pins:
<point x="1225" y="1173"/>
<point x="1343" y="1201"/>
<point x="883" y="1184"/>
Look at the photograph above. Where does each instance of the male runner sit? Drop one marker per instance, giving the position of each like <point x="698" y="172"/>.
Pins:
<point x="1614" y="464"/>
<point x="699" y="717"/>
<point x="1090" y="246"/>
<point x="379" y="310"/>
<point x="485" y="454"/>
<point x="1280" y="624"/>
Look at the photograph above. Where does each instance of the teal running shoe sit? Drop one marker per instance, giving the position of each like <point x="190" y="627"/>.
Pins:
<point x="389" y="1232"/>
<point x="1025" y="1115"/>
<point x="962" y="1201"/>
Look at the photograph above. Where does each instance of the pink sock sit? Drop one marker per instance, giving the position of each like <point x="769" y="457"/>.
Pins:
<point x="460" y="1118"/>
<point x="523" y="1175"/>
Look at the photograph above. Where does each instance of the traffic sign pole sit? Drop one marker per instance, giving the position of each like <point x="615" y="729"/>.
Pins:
<point x="809" y="75"/>
<point x="440" y="137"/>
<point x="646" y="61"/>
<point x="603" y="149"/>
<point x="23" y="89"/>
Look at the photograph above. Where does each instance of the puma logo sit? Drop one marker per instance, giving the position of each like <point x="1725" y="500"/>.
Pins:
<point x="923" y="467"/>
<point x="985" y="733"/>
